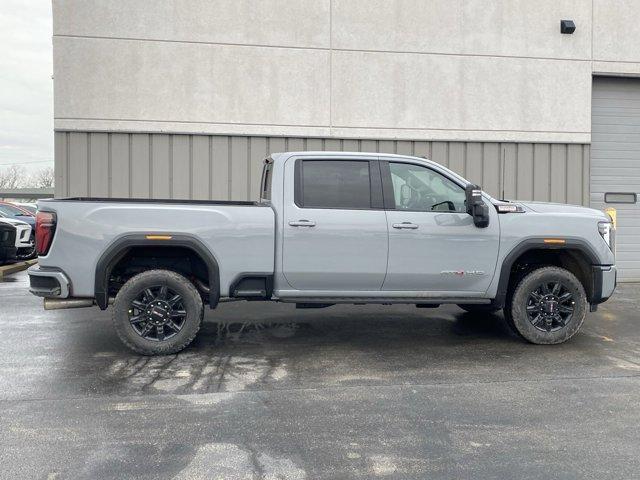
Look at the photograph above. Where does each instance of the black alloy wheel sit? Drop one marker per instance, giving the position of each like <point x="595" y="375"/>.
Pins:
<point x="547" y="306"/>
<point x="157" y="313"/>
<point x="550" y="306"/>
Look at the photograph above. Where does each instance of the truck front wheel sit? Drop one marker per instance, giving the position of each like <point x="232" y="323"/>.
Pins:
<point x="157" y="312"/>
<point x="548" y="306"/>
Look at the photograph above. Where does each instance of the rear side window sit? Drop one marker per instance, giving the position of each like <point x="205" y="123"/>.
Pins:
<point x="333" y="184"/>
<point x="265" y="190"/>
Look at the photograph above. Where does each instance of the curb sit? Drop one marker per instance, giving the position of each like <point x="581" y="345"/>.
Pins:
<point x="16" y="267"/>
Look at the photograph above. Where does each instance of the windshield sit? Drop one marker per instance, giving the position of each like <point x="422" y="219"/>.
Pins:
<point x="11" y="210"/>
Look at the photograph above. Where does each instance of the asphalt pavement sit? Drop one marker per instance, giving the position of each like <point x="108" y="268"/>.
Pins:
<point x="347" y="392"/>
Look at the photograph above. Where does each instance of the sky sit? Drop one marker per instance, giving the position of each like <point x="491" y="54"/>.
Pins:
<point x="26" y="86"/>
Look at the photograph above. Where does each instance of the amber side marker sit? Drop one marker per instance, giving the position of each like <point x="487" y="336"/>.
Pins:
<point x="554" y="240"/>
<point x="158" y="237"/>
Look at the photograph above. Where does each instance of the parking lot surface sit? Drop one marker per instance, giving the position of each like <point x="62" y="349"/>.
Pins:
<point x="271" y="392"/>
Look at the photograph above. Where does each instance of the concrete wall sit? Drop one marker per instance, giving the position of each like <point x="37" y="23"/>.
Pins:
<point x="468" y="70"/>
<point x="229" y="167"/>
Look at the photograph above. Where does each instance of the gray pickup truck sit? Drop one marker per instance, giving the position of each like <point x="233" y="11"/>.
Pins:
<point x="329" y="228"/>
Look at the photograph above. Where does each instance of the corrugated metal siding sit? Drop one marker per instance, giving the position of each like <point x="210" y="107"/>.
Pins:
<point x="229" y="167"/>
<point x="616" y="162"/>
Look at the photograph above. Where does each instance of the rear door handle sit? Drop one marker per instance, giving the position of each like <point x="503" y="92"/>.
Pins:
<point x="407" y="225"/>
<point x="303" y="223"/>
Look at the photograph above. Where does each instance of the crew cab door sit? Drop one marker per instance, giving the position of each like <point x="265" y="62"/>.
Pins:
<point x="434" y="245"/>
<point x="334" y="225"/>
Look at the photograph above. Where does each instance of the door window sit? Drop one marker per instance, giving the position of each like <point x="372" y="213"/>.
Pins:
<point x="418" y="188"/>
<point x="334" y="184"/>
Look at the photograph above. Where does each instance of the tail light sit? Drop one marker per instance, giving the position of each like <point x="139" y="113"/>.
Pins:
<point x="45" y="229"/>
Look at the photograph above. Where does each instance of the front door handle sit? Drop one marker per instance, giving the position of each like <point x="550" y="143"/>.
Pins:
<point x="407" y="225"/>
<point x="303" y="223"/>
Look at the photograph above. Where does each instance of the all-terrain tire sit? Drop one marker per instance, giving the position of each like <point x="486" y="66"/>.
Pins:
<point x="191" y="301"/>
<point x="480" y="308"/>
<point x="522" y="321"/>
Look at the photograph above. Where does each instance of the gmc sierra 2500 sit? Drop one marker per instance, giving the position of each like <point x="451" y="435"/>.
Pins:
<point x="329" y="228"/>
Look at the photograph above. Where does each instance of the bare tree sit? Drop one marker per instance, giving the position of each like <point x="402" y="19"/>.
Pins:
<point x="11" y="177"/>
<point x="42" y="178"/>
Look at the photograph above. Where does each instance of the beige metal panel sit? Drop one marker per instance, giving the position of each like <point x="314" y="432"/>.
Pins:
<point x="200" y="185"/>
<point x="230" y="167"/>
<point x="558" y="175"/>
<point x="351" y="145"/>
<point x="258" y="151"/>
<point x="140" y="166"/>
<point x="474" y="162"/>
<point x="295" y="144"/>
<point x="332" y="145"/>
<point x="404" y="147"/>
<point x="220" y="149"/>
<point x="422" y="149"/>
<point x="440" y="153"/>
<point x="181" y="164"/>
<point x="492" y="169"/>
<point x="239" y="168"/>
<point x="541" y="172"/>
<point x="574" y="174"/>
<point x="386" y="146"/>
<point x="160" y="166"/>
<point x="524" y="174"/>
<point x="78" y="151"/>
<point x="313" y="144"/>
<point x="586" y="174"/>
<point x="509" y="170"/>
<point x="99" y="164"/>
<point x="457" y="157"/>
<point x="119" y="173"/>
<point x="368" y="146"/>
<point x="60" y="163"/>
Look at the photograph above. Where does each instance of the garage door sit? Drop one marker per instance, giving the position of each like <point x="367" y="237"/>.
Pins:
<point x="615" y="164"/>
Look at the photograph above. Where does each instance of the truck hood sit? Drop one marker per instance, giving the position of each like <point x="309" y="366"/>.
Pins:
<point x="12" y="221"/>
<point x="544" y="207"/>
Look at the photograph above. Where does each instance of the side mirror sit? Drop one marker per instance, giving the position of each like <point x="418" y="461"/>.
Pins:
<point x="476" y="206"/>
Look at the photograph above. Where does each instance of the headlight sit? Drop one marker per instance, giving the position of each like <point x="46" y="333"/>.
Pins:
<point x="606" y="231"/>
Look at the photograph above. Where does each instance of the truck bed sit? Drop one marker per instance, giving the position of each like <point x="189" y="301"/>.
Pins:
<point x="240" y="235"/>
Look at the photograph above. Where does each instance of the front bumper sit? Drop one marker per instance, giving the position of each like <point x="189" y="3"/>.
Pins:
<point x="48" y="283"/>
<point x="604" y="283"/>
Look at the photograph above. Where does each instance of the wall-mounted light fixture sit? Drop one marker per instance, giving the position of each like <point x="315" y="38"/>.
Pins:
<point x="567" y="26"/>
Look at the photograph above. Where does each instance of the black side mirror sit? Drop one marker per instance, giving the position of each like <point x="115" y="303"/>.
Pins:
<point x="476" y="206"/>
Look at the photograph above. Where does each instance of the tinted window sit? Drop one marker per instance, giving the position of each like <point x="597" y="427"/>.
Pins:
<point x="265" y="193"/>
<point x="11" y="211"/>
<point x="420" y="188"/>
<point x="335" y="184"/>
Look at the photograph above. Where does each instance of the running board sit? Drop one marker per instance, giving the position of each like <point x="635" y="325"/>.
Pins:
<point x="386" y="300"/>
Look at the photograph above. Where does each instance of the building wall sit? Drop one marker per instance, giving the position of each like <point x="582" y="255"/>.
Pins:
<point x="229" y="167"/>
<point x="466" y="70"/>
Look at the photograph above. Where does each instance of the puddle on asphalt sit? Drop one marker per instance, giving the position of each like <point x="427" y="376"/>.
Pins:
<point x="206" y="370"/>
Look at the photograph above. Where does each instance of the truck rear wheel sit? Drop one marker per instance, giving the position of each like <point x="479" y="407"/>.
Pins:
<point x="548" y="306"/>
<point x="157" y="312"/>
